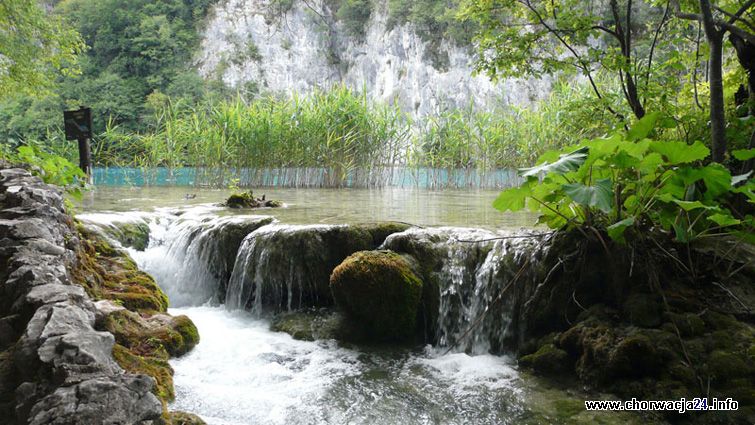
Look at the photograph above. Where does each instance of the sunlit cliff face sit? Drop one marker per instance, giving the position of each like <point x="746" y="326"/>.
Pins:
<point x="252" y="48"/>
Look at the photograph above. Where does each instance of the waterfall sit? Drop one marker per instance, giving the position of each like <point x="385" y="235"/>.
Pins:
<point x="474" y="314"/>
<point x="258" y="264"/>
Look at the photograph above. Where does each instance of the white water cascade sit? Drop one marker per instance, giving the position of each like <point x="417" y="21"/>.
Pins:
<point x="244" y="373"/>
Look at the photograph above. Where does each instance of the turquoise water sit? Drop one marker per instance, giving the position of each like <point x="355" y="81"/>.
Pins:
<point x="400" y="177"/>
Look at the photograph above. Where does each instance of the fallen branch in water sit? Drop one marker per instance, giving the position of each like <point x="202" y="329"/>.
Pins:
<point x="536" y="235"/>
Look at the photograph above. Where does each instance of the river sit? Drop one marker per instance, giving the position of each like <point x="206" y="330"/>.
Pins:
<point x="242" y="372"/>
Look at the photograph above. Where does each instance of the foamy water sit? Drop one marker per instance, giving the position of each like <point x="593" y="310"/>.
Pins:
<point x="243" y="373"/>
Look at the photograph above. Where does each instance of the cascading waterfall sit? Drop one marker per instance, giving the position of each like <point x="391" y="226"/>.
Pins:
<point x="274" y="267"/>
<point x="473" y="314"/>
<point x="244" y="371"/>
<point x="254" y="263"/>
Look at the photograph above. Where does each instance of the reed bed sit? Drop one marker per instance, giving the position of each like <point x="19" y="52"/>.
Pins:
<point x="338" y="138"/>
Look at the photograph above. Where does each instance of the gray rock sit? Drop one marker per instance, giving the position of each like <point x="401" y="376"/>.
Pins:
<point x="118" y="400"/>
<point x="64" y="370"/>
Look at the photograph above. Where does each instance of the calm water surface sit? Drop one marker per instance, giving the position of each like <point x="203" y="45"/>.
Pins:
<point x="472" y="208"/>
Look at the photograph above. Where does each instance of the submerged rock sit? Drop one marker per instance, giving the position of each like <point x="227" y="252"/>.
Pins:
<point x="380" y="291"/>
<point x="314" y="324"/>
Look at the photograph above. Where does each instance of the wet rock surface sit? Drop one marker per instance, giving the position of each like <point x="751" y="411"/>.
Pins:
<point x="286" y="267"/>
<point x="55" y="366"/>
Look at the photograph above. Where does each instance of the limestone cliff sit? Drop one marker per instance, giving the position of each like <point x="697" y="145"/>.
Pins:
<point x="306" y="46"/>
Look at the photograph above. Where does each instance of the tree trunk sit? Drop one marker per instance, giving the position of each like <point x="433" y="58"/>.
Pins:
<point x="746" y="56"/>
<point x="717" y="116"/>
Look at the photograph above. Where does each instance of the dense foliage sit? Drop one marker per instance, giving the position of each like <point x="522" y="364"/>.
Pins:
<point x="134" y="48"/>
<point x="33" y="47"/>
<point x="626" y="184"/>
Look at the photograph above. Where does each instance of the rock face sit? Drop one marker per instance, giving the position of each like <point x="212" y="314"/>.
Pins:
<point x="306" y="47"/>
<point x="380" y="291"/>
<point x="55" y="367"/>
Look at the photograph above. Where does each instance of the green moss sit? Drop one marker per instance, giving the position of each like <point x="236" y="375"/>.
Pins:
<point x="189" y="335"/>
<point x="183" y="418"/>
<point x="152" y="366"/>
<point x="380" y="231"/>
<point x="247" y="200"/>
<point x="643" y="310"/>
<point x="379" y="291"/>
<point x="548" y="360"/>
<point x="724" y="366"/>
<point x="133" y="235"/>
<point x="689" y="324"/>
<point x="634" y="356"/>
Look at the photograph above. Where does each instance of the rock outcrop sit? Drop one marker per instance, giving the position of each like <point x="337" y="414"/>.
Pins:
<point x="55" y="366"/>
<point x="270" y="47"/>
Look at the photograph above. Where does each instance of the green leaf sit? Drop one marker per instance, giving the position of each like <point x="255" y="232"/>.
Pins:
<point x="565" y="163"/>
<point x="724" y="220"/>
<point x="681" y="233"/>
<point x="642" y="128"/>
<point x="512" y="199"/>
<point x="680" y="152"/>
<point x="616" y="230"/>
<point x="599" y="196"/>
<point x="691" y="205"/>
<point x="744" y="154"/>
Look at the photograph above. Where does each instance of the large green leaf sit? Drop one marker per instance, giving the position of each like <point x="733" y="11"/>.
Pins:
<point x="744" y="154"/>
<point x="512" y="199"/>
<point x="724" y="220"/>
<point x="680" y="152"/>
<point x="691" y="205"/>
<point x="565" y="163"/>
<point x="599" y="196"/>
<point x="616" y="230"/>
<point x="642" y="128"/>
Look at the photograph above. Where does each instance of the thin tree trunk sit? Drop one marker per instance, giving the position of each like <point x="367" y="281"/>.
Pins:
<point x="717" y="115"/>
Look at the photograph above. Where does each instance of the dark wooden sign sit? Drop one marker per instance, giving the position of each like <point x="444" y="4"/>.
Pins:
<point x="78" y="124"/>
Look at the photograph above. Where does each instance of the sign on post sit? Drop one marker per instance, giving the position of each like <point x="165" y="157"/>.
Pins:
<point x="78" y="126"/>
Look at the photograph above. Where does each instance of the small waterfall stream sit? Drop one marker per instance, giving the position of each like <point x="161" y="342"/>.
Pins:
<point x="230" y="274"/>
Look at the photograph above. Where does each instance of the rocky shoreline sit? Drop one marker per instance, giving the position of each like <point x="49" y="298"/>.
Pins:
<point x="64" y="348"/>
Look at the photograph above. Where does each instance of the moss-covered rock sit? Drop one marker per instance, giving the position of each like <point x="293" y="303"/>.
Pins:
<point x="247" y="200"/>
<point x="548" y="360"/>
<point x="380" y="291"/>
<point x="131" y="234"/>
<point x="317" y="323"/>
<point x="109" y="273"/>
<point x="643" y="310"/>
<point x="155" y="367"/>
<point x="183" y="418"/>
<point x="133" y="308"/>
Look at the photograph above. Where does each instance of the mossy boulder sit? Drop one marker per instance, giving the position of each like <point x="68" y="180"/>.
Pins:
<point x="548" y="360"/>
<point x="183" y="418"/>
<point x="241" y="200"/>
<point x="316" y="323"/>
<point x="380" y="291"/>
<point x="130" y="234"/>
<point x="107" y="272"/>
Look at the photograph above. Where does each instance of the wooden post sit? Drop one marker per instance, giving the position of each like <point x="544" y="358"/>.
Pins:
<point x="78" y="126"/>
<point x="85" y="158"/>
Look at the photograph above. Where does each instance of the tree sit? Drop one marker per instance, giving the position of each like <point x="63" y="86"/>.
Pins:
<point x="34" y="46"/>
<point x="718" y="18"/>
<point x="534" y="37"/>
